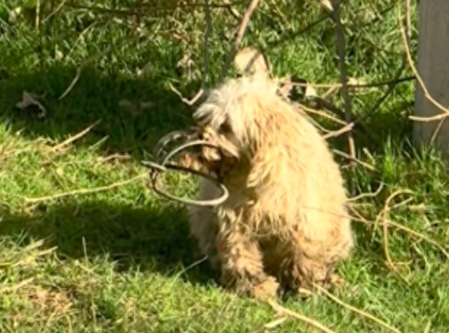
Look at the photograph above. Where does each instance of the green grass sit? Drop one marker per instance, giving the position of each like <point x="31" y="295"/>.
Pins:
<point x="121" y="260"/>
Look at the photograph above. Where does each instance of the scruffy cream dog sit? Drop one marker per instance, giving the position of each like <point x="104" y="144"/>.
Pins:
<point x="285" y="221"/>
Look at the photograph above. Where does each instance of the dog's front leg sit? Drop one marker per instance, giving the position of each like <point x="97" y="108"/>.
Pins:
<point x="241" y="263"/>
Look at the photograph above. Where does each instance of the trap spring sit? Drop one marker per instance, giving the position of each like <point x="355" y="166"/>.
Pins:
<point x="160" y="167"/>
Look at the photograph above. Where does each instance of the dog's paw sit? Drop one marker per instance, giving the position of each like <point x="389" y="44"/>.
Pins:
<point x="336" y="282"/>
<point x="265" y="290"/>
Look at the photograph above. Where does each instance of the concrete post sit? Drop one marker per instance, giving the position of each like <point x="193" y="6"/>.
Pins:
<point x="433" y="66"/>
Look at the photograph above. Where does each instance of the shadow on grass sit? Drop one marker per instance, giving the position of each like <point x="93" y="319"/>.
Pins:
<point x="95" y="96"/>
<point x="151" y="237"/>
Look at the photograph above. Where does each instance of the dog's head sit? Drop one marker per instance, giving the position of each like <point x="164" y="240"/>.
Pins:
<point x="234" y="118"/>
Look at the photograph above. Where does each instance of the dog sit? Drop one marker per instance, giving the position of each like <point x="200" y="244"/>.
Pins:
<point x="285" y="224"/>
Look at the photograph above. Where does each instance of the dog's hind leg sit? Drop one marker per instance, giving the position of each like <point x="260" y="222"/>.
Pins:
<point x="242" y="267"/>
<point x="314" y="261"/>
<point x="300" y="267"/>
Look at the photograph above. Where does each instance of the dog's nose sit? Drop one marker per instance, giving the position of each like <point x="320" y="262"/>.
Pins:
<point x="201" y="135"/>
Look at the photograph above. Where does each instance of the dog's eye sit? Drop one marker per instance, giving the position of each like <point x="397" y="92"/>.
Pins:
<point x="224" y="129"/>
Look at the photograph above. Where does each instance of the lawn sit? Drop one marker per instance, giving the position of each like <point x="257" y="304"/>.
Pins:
<point x="120" y="259"/>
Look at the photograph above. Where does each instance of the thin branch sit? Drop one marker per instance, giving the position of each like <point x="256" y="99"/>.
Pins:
<point x="321" y="19"/>
<point x="112" y="157"/>
<point x="292" y="36"/>
<point x="150" y="8"/>
<point x="238" y="40"/>
<point x="353" y="159"/>
<point x="54" y="11"/>
<point x="392" y="85"/>
<point x="85" y="190"/>
<point x="207" y="32"/>
<point x="356" y="86"/>
<point x="272" y="324"/>
<point x="358" y="311"/>
<point x="282" y="310"/>
<point x="398" y="226"/>
<point x="189" y="102"/>
<point x="384" y="214"/>
<point x="408" y="21"/>
<point x="75" y="137"/>
<point x="437" y="131"/>
<point x="367" y="195"/>
<point x="325" y="104"/>
<point x="344" y="89"/>
<point x="323" y="114"/>
<point x="419" y="235"/>
<point x="87" y="62"/>
<point x="421" y="82"/>
<point x="339" y="132"/>
<point x="38" y="14"/>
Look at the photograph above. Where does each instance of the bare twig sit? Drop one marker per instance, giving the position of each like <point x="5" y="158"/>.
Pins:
<point x="341" y="53"/>
<point x="339" y="132"/>
<point x="149" y="8"/>
<point x="54" y="11"/>
<point x="322" y="103"/>
<point x="353" y="159"/>
<point x="238" y="40"/>
<point x="85" y="190"/>
<point x="87" y="62"/>
<point x="74" y="81"/>
<point x="323" y="114"/>
<point x="38" y="14"/>
<point x="396" y="80"/>
<point x="398" y="226"/>
<point x="437" y="131"/>
<point x="270" y="325"/>
<point x="358" y="311"/>
<point x="367" y="195"/>
<point x="102" y="160"/>
<point x="75" y="137"/>
<point x="284" y="311"/>
<point x="408" y="21"/>
<point x="419" y="235"/>
<point x="392" y="85"/>
<point x="207" y="32"/>
<point x="421" y="82"/>
<point x="193" y="265"/>
<point x="384" y="214"/>
<point x="189" y="102"/>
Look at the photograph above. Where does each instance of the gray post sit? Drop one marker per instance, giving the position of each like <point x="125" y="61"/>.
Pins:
<point x="433" y="67"/>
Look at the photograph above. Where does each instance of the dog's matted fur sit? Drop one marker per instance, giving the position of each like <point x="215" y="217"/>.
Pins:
<point x="285" y="221"/>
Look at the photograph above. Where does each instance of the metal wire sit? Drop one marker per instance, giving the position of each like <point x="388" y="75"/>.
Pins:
<point x="159" y="168"/>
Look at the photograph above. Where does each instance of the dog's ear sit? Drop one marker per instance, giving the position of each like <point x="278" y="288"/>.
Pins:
<point x="251" y="61"/>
